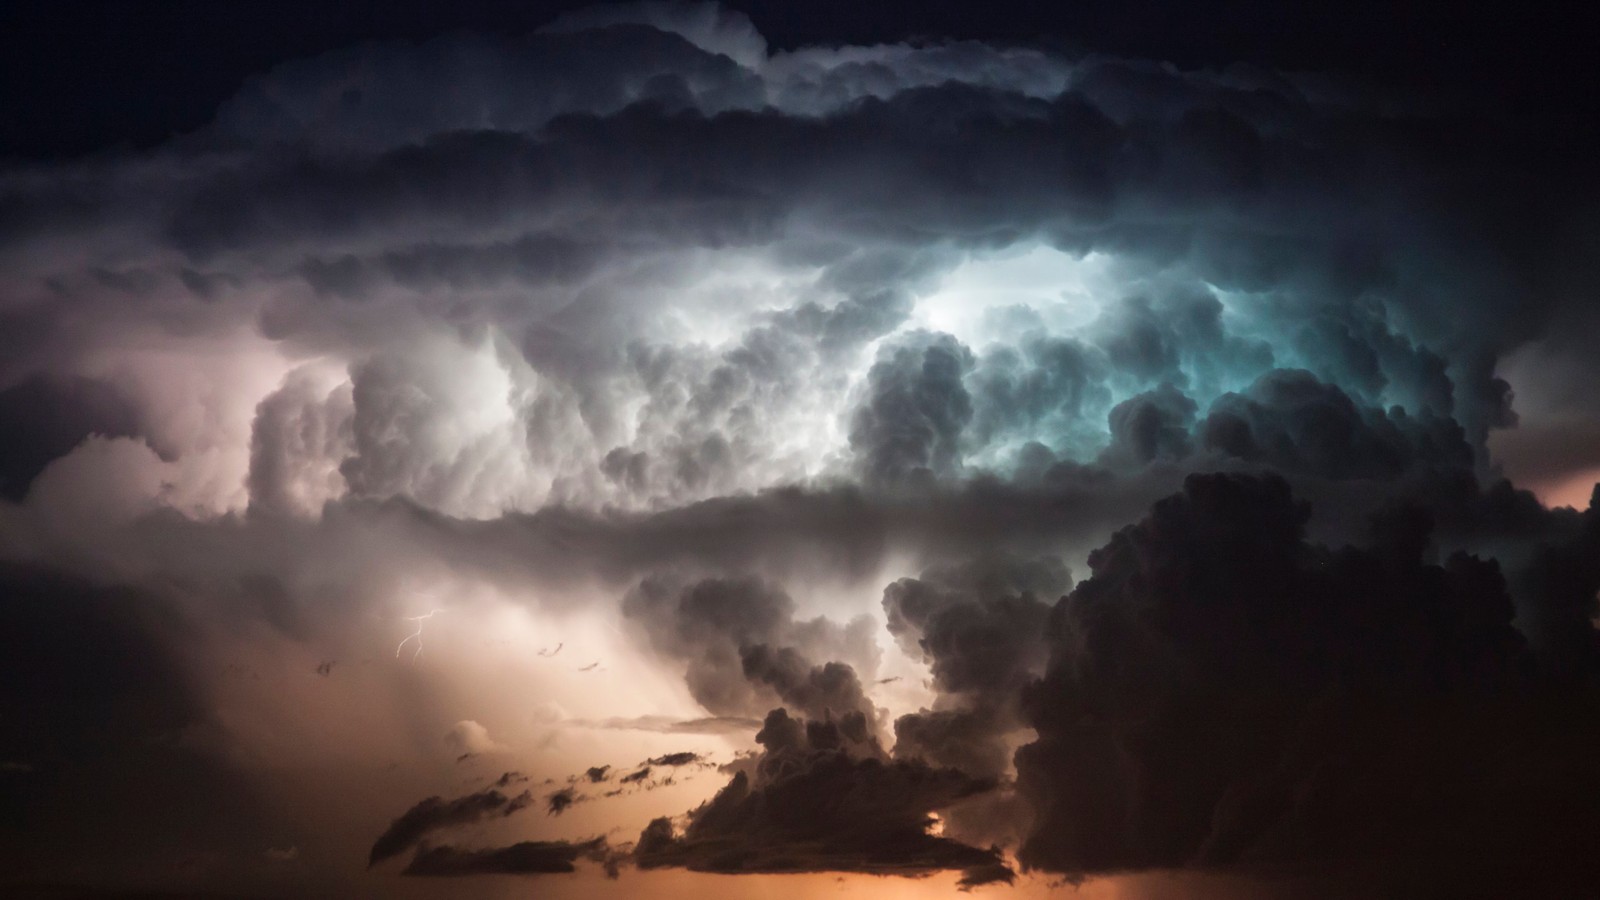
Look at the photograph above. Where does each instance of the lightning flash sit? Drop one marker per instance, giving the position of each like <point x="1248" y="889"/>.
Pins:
<point x="416" y="635"/>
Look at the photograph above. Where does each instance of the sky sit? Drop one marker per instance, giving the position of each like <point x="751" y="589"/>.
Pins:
<point x="797" y="450"/>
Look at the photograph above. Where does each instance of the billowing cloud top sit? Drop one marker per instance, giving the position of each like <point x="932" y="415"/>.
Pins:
<point x="778" y="371"/>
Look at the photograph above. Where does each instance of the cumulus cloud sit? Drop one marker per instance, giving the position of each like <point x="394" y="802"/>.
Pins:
<point x="592" y="386"/>
<point x="822" y="796"/>
<point x="1221" y="691"/>
<point x="980" y="627"/>
<point x="1293" y="422"/>
<point x="743" y="647"/>
<point x="301" y="433"/>
<point x="469" y="737"/>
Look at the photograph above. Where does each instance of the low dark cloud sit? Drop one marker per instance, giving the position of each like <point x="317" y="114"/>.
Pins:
<point x="822" y="796"/>
<point x="1222" y="692"/>
<point x="993" y="873"/>
<point x="1156" y="424"/>
<point x="980" y="627"/>
<point x="435" y="814"/>
<point x="681" y="758"/>
<point x="1293" y="422"/>
<point x="525" y="858"/>
<point x="558" y="802"/>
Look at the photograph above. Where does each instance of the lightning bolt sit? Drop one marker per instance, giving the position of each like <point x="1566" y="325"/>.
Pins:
<point x="416" y="635"/>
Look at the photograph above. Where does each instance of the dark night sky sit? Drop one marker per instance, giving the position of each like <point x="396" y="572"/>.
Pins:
<point x="89" y="75"/>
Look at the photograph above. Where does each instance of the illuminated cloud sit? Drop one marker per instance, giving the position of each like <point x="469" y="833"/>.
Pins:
<point x="468" y="736"/>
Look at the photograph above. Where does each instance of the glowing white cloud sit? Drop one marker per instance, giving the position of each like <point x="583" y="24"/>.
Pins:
<point x="997" y="296"/>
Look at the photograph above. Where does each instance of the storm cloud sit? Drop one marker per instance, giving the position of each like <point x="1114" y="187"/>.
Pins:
<point x="436" y="813"/>
<point x="822" y="796"/>
<point x="1026" y="459"/>
<point x="1222" y="691"/>
<point x="525" y="858"/>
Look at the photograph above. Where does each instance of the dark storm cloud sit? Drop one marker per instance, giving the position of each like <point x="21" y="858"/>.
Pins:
<point x="976" y="623"/>
<point x="1106" y="158"/>
<point x="1044" y="384"/>
<point x="557" y="802"/>
<point x="525" y="858"/>
<point x="980" y="627"/>
<point x="1156" y="424"/>
<point x="1293" y="422"/>
<point x="816" y="690"/>
<point x="1537" y="549"/>
<point x="681" y="758"/>
<point x="993" y="873"/>
<point x="822" y="796"/>
<point x="743" y="647"/>
<point x="1558" y="598"/>
<point x="436" y="813"/>
<point x="1221" y="691"/>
